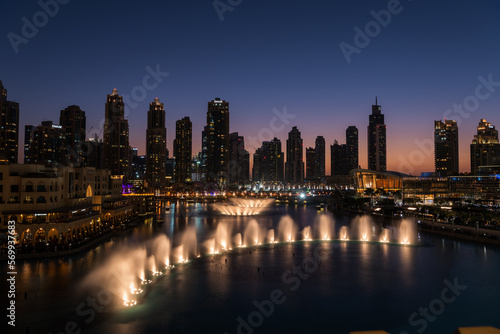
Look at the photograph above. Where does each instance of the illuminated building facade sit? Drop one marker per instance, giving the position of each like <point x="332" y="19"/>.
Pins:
<point x="73" y="121"/>
<point x="156" y="146"/>
<point x="183" y="148"/>
<point x="217" y="136"/>
<point x="116" y="149"/>
<point x="294" y="166"/>
<point x="239" y="160"/>
<point x="377" y="146"/>
<point x="49" y="145"/>
<point x="9" y="128"/>
<point x="446" y="147"/>
<point x="485" y="147"/>
<point x="268" y="162"/>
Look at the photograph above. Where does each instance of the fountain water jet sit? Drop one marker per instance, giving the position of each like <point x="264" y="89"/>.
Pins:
<point x="325" y="227"/>
<point x="161" y="249"/>
<point x="286" y="229"/>
<point x="243" y="206"/>
<point x="270" y="237"/>
<point x="306" y="233"/>
<point x="223" y="237"/>
<point x="237" y="240"/>
<point x="251" y="234"/>
<point x="407" y="232"/>
<point x="344" y="233"/>
<point x="362" y="227"/>
<point x="384" y="235"/>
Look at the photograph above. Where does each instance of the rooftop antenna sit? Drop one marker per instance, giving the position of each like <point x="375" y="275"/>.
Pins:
<point x="376" y="102"/>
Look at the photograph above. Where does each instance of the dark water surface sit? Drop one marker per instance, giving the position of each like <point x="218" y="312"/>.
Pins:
<point x="317" y="287"/>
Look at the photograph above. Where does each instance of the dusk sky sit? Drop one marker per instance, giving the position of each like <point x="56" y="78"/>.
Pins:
<point x="263" y="56"/>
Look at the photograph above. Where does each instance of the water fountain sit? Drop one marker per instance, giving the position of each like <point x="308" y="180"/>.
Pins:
<point x="407" y="232"/>
<point x="223" y="237"/>
<point x="161" y="249"/>
<point x="286" y="229"/>
<point x="243" y="206"/>
<point x="344" y="233"/>
<point x="325" y="227"/>
<point x="384" y="235"/>
<point x="362" y="228"/>
<point x="306" y="233"/>
<point x="270" y="237"/>
<point x="251" y="234"/>
<point x="141" y="264"/>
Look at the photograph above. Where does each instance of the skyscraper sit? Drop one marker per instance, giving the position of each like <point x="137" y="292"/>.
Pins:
<point x="446" y="147"/>
<point x="319" y="150"/>
<point x="116" y="149"/>
<point x="183" y="150"/>
<point x="311" y="164"/>
<point x="217" y="131"/>
<point x="73" y="121"/>
<point x="156" y="146"/>
<point x="268" y="162"/>
<point x="29" y="134"/>
<point x="93" y="153"/>
<point x="352" y="148"/>
<point x="239" y="159"/>
<point x="9" y="128"/>
<point x="294" y="166"/>
<point x="377" y="151"/>
<point x="49" y="145"/>
<point x="339" y="159"/>
<point x="485" y="147"/>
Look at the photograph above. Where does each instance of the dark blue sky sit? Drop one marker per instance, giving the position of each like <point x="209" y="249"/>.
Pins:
<point x="264" y="55"/>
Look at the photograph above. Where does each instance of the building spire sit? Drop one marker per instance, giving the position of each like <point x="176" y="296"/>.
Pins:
<point x="376" y="102"/>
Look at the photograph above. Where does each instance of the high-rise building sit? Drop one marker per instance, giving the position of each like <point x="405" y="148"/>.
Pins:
<point x="311" y="164"/>
<point x="377" y="150"/>
<point x="352" y="147"/>
<point x="93" y="153"/>
<point x="344" y="157"/>
<point x="268" y="162"/>
<point x="9" y="128"/>
<point x="339" y="159"/>
<point x="73" y="121"/>
<point x="485" y="147"/>
<point x="239" y="160"/>
<point x="446" y="147"/>
<point x="294" y="166"/>
<point x="183" y="149"/>
<point x="29" y="135"/>
<point x="319" y="150"/>
<point x="204" y="152"/>
<point x="116" y="148"/>
<point x="138" y="163"/>
<point x="49" y="145"/>
<point x="217" y="131"/>
<point x="156" y="145"/>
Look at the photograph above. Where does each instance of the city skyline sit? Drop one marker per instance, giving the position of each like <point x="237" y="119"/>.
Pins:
<point x="122" y="118"/>
<point x="417" y="78"/>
